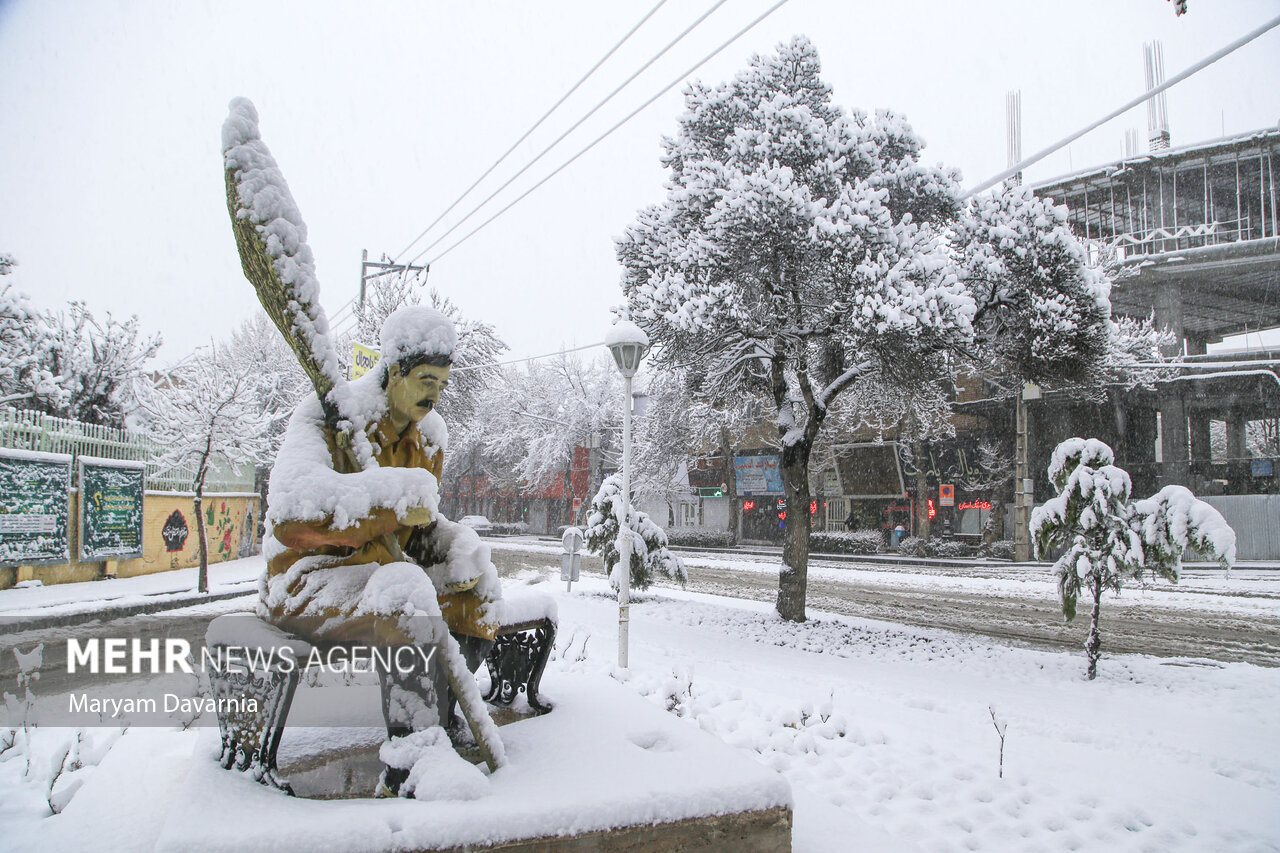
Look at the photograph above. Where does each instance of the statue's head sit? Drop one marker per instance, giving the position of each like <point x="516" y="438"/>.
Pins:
<point x="417" y="349"/>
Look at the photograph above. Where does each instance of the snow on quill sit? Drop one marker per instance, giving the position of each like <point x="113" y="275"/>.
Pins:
<point x="263" y="197"/>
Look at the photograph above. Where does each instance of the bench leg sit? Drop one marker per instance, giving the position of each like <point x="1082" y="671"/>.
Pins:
<point x="252" y="710"/>
<point x="516" y="662"/>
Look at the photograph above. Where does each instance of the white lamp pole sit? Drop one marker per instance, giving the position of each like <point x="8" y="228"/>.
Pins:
<point x="627" y="342"/>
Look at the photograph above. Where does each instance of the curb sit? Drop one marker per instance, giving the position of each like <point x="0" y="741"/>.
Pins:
<point x="887" y="559"/>
<point x="106" y="611"/>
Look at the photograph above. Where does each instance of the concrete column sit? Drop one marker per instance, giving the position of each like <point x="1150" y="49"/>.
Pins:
<point x="1237" y="441"/>
<point x="1201" y="442"/>
<point x="1174" y="439"/>
<point x="1168" y="313"/>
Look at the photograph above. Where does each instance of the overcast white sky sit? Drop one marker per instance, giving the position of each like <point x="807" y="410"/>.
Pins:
<point x="381" y="113"/>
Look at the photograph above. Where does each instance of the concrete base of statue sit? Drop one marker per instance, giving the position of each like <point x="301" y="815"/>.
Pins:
<point x="605" y="771"/>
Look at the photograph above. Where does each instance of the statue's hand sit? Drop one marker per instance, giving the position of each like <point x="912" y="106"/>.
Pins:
<point x="462" y="586"/>
<point x="416" y="517"/>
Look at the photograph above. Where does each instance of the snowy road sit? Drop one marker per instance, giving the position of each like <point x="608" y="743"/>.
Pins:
<point x="1206" y="616"/>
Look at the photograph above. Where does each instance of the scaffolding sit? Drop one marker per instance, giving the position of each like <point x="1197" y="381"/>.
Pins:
<point x="1210" y="194"/>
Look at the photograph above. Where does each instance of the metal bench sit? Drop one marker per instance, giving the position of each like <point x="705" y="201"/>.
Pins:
<point x="251" y="738"/>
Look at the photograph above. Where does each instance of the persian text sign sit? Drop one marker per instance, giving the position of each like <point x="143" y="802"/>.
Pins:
<point x="758" y="475"/>
<point x="363" y="359"/>
<point x="110" y="509"/>
<point x="35" y="493"/>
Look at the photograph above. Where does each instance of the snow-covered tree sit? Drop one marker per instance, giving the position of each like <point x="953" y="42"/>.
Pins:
<point x="1041" y="311"/>
<point x="276" y="382"/>
<point x="68" y="364"/>
<point x="475" y="359"/>
<point x="25" y="343"/>
<point x="97" y="363"/>
<point x="665" y="441"/>
<point x="203" y="412"/>
<point x="539" y="413"/>
<point x="650" y="556"/>
<point x="810" y="249"/>
<point x="475" y="370"/>
<point x="1107" y="537"/>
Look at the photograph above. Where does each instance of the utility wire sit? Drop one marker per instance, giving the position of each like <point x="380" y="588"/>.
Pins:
<point x="601" y="137"/>
<point x="535" y="126"/>
<point x="1145" y="96"/>
<point x="574" y="127"/>
<point x="527" y="358"/>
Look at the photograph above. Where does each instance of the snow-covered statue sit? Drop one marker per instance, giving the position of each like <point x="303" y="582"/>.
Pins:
<point x="334" y="529"/>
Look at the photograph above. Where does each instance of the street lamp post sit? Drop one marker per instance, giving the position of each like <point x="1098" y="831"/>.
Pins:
<point x="627" y="342"/>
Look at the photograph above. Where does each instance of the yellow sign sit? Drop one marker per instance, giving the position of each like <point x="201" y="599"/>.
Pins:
<point x="363" y="359"/>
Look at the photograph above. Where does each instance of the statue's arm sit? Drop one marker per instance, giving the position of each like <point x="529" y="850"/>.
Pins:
<point x="307" y="472"/>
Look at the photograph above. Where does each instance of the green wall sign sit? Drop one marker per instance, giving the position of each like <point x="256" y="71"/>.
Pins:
<point x="35" y="494"/>
<point x="110" y="509"/>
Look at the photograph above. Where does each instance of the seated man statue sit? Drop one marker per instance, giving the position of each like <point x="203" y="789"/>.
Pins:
<point x="333" y="576"/>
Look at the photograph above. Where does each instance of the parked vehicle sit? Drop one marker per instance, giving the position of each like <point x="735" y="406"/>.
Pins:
<point x="478" y="523"/>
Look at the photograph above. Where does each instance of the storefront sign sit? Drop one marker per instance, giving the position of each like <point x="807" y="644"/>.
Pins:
<point x="363" y="359"/>
<point x="868" y="470"/>
<point x="758" y="475"/>
<point x="110" y="509"/>
<point x="35" y="494"/>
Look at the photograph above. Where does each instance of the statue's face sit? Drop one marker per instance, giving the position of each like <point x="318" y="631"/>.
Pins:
<point x="411" y="395"/>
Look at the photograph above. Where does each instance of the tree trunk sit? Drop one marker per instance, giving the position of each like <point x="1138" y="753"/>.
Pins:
<point x="1093" y="645"/>
<point x="202" y="585"/>
<point x="568" y="493"/>
<point x="922" y="492"/>
<point x="794" y="576"/>
<point x="731" y="487"/>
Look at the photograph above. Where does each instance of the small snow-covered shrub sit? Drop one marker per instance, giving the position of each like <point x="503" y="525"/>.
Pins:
<point x="695" y="538"/>
<point x="510" y="528"/>
<point x="1105" y="536"/>
<point x="649" y="553"/>
<point x="911" y="546"/>
<point x="999" y="550"/>
<point x="914" y="546"/>
<point x="947" y="548"/>
<point x="856" y="542"/>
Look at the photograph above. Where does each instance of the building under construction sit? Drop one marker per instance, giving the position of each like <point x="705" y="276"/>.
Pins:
<point x="1195" y="233"/>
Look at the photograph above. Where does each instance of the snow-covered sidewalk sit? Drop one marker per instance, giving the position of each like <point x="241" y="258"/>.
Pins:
<point x="887" y="738"/>
<point x="28" y="606"/>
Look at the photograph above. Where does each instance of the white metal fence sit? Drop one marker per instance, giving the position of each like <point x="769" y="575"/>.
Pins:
<point x="26" y="430"/>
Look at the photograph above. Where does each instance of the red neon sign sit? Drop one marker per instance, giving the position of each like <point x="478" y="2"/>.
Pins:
<point x="813" y="507"/>
<point x="783" y="515"/>
<point x="932" y="511"/>
<point x="975" y="505"/>
<point x="747" y="506"/>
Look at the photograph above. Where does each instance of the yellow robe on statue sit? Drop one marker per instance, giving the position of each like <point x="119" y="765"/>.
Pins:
<point x="362" y="545"/>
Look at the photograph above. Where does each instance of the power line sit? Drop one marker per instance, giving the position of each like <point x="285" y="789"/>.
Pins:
<point x="1145" y="96"/>
<point x="535" y="126"/>
<point x="527" y="358"/>
<point x="574" y="127"/>
<point x="601" y="137"/>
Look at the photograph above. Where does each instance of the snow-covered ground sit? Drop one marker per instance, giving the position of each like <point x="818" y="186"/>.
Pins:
<point x="886" y="734"/>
